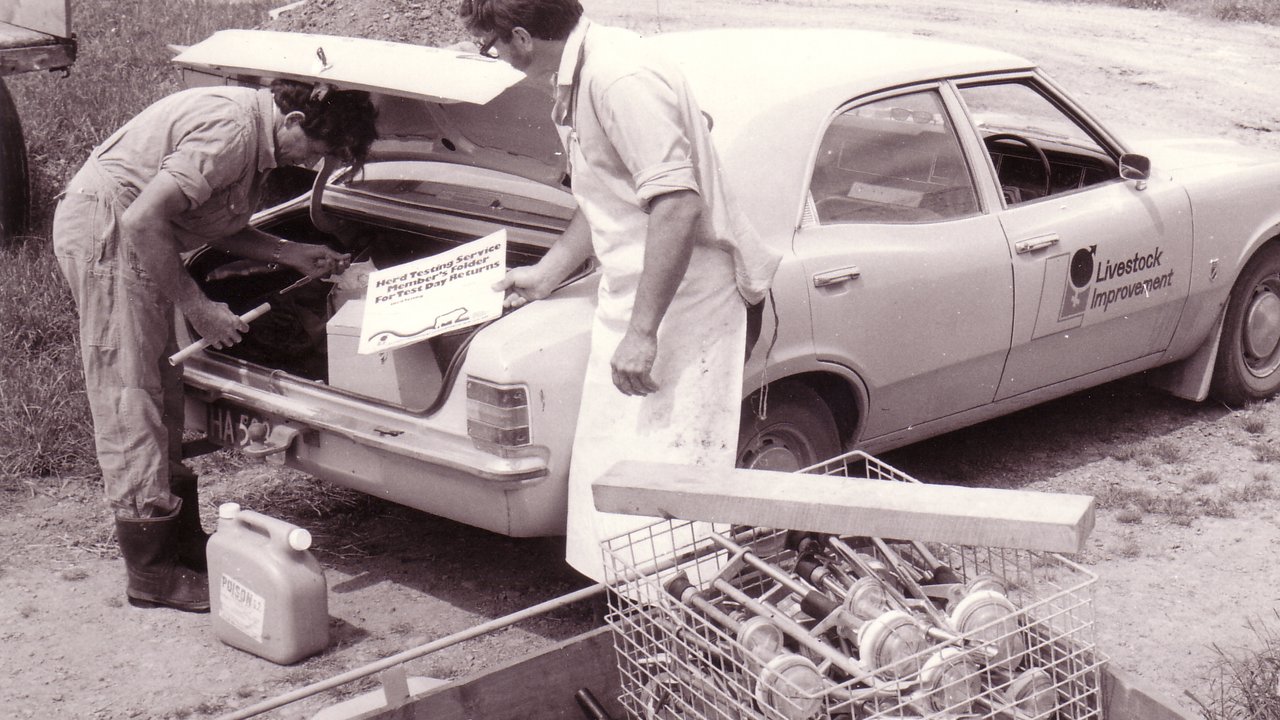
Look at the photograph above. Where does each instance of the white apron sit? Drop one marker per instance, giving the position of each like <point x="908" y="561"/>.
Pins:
<point x="692" y="418"/>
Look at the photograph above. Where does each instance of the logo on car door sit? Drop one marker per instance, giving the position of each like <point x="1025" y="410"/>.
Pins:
<point x="1075" y="295"/>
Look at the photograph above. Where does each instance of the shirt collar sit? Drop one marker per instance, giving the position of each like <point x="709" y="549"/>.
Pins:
<point x="571" y="55"/>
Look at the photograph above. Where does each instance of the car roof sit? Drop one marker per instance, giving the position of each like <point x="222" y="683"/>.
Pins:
<point x="770" y="93"/>
<point x="779" y="65"/>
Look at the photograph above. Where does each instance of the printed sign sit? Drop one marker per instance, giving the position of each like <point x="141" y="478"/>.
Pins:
<point x="424" y="298"/>
<point x="241" y="608"/>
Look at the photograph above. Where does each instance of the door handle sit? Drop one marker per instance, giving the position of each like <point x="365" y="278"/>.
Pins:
<point x="1035" y="243"/>
<point x="833" y="277"/>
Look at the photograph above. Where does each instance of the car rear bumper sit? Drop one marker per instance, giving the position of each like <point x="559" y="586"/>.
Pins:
<point x="384" y="452"/>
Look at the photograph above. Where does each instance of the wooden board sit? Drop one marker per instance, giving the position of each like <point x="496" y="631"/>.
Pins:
<point x="392" y="68"/>
<point x="23" y="50"/>
<point x="985" y="517"/>
<point x="535" y="687"/>
<point x="539" y="687"/>
<point x="52" y="17"/>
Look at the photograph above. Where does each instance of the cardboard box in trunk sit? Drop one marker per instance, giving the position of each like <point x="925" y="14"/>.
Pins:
<point x="407" y="376"/>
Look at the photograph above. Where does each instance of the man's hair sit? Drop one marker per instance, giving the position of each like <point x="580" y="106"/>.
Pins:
<point x="343" y="119"/>
<point x="544" y="19"/>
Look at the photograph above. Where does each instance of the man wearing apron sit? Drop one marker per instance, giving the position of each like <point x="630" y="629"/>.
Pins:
<point x="186" y="171"/>
<point x="678" y="264"/>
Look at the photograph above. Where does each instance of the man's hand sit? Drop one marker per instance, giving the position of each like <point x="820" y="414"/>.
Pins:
<point x="215" y="322"/>
<point x="525" y="284"/>
<point x="633" y="363"/>
<point x="314" y="260"/>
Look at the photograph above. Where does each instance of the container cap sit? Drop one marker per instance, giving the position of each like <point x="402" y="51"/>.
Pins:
<point x="299" y="539"/>
<point x="228" y="511"/>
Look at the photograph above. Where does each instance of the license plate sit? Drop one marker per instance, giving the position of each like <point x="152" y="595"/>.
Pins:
<point x="228" y="425"/>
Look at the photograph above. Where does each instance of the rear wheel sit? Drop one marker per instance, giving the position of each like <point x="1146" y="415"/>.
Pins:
<point x="15" y="194"/>
<point x="796" y="432"/>
<point x="1248" y="366"/>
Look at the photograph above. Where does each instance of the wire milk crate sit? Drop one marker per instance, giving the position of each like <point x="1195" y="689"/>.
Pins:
<point x="720" y="622"/>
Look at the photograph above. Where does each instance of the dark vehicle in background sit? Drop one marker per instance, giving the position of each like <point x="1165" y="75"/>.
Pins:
<point x="34" y="35"/>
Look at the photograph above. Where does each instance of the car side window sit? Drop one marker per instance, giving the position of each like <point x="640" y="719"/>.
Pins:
<point x="1037" y="149"/>
<point x="895" y="160"/>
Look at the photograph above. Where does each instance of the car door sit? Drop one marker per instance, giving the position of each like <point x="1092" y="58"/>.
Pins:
<point x="909" y="282"/>
<point x="1100" y="264"/>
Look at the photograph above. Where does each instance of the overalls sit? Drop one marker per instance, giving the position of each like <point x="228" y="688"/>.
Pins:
<point x="126" y="325"/>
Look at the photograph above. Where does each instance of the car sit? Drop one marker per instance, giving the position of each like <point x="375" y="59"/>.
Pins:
<point x="960" y="240"/>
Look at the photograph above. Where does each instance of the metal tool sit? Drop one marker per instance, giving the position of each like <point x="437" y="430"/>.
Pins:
<point x="788" y="683"/>
<point x="886" y="643"/>
<point x="248" y="317"/>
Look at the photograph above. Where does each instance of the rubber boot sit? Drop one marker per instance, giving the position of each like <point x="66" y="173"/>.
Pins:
<point x="192" y="538"/>
<point x="156" y="578"/>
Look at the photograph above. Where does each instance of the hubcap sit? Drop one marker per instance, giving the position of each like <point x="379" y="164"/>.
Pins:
<point x="776" y="450"/>
<point x="1262" y="330"/>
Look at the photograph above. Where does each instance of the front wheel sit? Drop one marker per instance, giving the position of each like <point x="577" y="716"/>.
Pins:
<point x="15" y="195"/>
<point x="797" y="431"/>
<point x="1248" y="365"/>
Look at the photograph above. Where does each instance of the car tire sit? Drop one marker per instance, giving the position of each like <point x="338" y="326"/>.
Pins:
<point x="15" y="193"/>
<point x="797" y="430"/>
<point x="1248" y="365"/>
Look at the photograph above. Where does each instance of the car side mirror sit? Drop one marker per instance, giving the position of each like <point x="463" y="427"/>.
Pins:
<point x="1135" y="167"/>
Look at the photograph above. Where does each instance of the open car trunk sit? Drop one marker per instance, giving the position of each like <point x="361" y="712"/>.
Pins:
<point x="313" y="331"/>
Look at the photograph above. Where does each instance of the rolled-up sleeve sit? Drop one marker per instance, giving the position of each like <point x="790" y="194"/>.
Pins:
<point x="642" y="118"/>
<point x="210" y="155"/>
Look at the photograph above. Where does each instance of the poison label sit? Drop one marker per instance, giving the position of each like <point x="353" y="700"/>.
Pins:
<point x="241" y="608"/>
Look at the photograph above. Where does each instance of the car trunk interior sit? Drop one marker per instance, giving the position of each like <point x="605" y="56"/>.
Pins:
<point x="312" y="332"/>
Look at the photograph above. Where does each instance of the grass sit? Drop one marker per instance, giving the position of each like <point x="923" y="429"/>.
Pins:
<point x="1261" y="11"/>
<point x="1266" y="452"/>
<point x="1244" y="683"/>
<point x="122" y="66"/>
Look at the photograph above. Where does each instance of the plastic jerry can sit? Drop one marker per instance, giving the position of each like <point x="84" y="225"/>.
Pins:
<point x="267" y="594"/>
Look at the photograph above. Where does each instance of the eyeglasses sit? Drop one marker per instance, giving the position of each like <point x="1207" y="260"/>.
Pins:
<point x="486" y="46"/>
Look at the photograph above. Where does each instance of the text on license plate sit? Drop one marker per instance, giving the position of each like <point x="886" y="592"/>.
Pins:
<point x="228" y="425"/>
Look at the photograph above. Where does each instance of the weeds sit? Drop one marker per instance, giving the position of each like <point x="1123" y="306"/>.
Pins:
<point x="1219" y="507"/>
<point x="1254" y="491"/>
<point x="1266" y="452"/>
<point x="1204" y="477"/>
<point x="1129" y="548"/>
<point x="1244" y="685"/>
<point x="1125" y="453"/>
<point x="122" y="66"/>
<point x="1129" y="516"/>
<point x="1253" y="424"/>
<point x="44" y="422"/>
<point x="1261" y="11"/>
<point x="1168" y="452"/>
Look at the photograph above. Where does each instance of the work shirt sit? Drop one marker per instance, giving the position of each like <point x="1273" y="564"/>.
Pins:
<point x="637" y="134"/>
<point x="633" y="162"/>
<point x="217" y="143"/>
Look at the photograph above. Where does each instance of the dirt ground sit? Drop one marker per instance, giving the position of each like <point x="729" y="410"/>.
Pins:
<point x="1173" y="590"/>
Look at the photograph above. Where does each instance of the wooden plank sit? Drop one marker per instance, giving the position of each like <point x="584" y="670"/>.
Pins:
<point x="539" y="687"/>
<point x="1126" y="696"/>
<point x="986" y="517"/>
<point x="52" y="17"/>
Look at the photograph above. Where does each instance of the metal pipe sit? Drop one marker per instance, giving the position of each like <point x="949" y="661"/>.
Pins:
<point x="813" y="602"/>
<point x="402" y="657"/>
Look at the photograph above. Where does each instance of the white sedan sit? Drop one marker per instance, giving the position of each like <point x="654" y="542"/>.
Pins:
<point x="961" y="240"/>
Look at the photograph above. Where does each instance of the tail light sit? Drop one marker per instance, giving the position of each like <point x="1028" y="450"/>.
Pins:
<point x="497" y="416"/>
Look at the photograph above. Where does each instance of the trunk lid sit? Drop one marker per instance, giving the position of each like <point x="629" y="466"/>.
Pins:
<point x="434" y="104"/>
